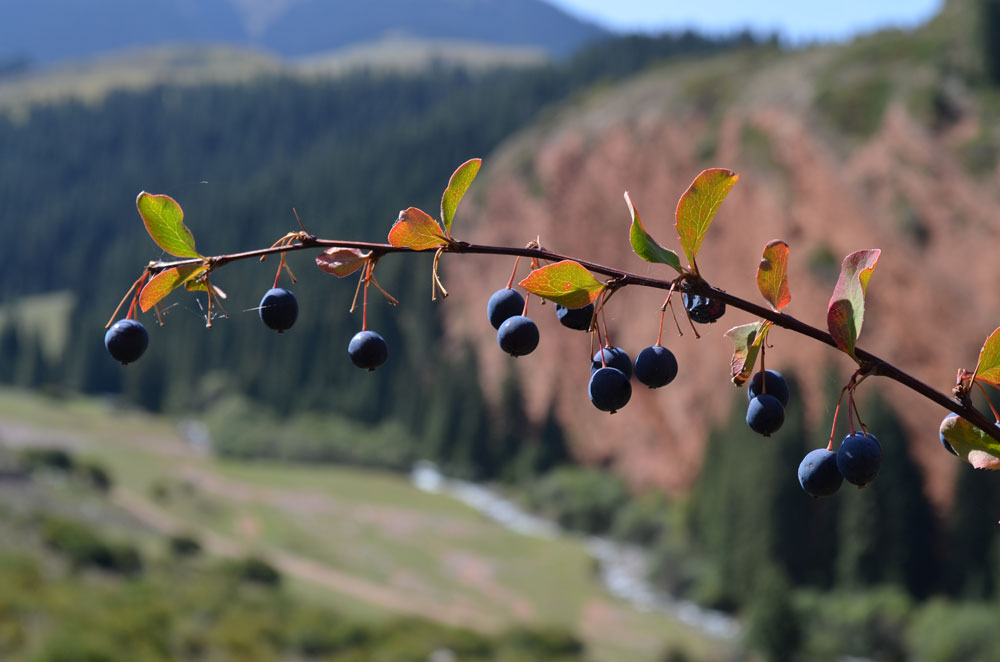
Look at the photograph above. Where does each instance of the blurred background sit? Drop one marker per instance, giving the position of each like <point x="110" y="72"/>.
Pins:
<point x="242" y="495"/>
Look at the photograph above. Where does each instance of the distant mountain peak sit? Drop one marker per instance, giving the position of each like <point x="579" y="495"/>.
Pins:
<point x="258" y="15"/>
<point x="47" y="31"/>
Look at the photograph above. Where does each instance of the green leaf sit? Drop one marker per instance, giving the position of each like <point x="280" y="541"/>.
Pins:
<point x="644" y="245"/>
<point x="567" y="283"/>
<point x="164" y="221"/>
<point x="166" y="282"/>
<point x="417" y="230"/>
<point x="772" y="274"/>
<point x="341" y="261"/>
<point x="846" y="311"/>
<point x="970" y="443"/>
<point x="988" y="368"/>
<point x="747" y="339"/>
<point x="457" y="186"/>
<point x="698" y="205"/>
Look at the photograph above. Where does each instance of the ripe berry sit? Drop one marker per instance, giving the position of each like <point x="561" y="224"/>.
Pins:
<point x="368" y="350"/>
<point x="126" y="340"/>
<point x="818" y="473"/>
<point x="503" y="304"/>
<point x="702" y="309"/>
<point x="944" y="442"/>
<point x="614" y="357"/>
<point x="765" y="414"/>
<point x="575" y="318"/>
<point x="610" y="389"/>
<point x="774" y="384"/>
<point x="655" y="366"/>
<point x="279" y="309"/>
<point x="859" y="458"/>
<point x="518" y="335"/>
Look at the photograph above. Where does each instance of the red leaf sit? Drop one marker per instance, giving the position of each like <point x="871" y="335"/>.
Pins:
<point x="341" y="261"/>
<point x="772" y="274"/>
<point x="846" y="311"/>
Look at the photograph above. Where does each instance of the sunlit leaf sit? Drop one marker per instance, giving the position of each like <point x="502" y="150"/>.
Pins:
<point x="166" y="282"/>
<point x="846" y="311"/>
<point x="644" y="245"/>
<point x="567" y="283"/>
<point x="988" y="368"/>
<point x="457" y="186"/>
<point x="698" y="205"/>
<point x="341" y="261"/>
<point x="747" y="340"/>
<point x="970" y="443"/>
<point x="415" y="229"/>
<point x="772" y="275"/>
<point x="164" y="221"/>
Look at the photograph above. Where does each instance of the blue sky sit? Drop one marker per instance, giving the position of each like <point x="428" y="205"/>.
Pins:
<point x="794" y="20"/>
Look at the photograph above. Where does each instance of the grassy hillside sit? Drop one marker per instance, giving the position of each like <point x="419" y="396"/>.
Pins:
<point x="364" y="543"/>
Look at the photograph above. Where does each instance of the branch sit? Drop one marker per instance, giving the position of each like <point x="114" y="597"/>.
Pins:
<point x="870" y="364"/>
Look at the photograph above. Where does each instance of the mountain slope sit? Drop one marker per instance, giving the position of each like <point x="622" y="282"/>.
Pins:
<point x="835" y="155"/>
<point x="50" y="30"/>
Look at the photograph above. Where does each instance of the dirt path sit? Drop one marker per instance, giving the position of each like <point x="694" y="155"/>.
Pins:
<point x="304" y="568"/>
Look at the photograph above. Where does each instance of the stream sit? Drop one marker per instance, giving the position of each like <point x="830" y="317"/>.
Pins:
<point x="622" y="567"/>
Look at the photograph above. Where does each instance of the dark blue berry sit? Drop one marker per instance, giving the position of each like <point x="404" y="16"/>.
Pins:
<point x="368" y="350"/>
<point x="279" y="309"/>
<point x="944" y="442"/>
<point x="655" y="366"/>
<point x="859" y="458"/>
<point x="518" y="335"/>
<point x="818" y="473"/>
<point x="126" y="340"/>
<point x="610" y="389"/>
<point x="765" y="414"/>
<point x="504" y="304"/>
<point x="702" y="309"/>
<point x="774" y="384"/>
<point x="575" y="318"/>
<point x="614" y="357"/>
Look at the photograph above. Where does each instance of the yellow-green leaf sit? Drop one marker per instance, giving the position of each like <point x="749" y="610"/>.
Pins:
<point x="772" y="274"/>
<point x="341" y="261"/>
<point x="417" y="230"/>
<point x="846" y="311"/>
<point x="988" y="368"/>
<point x="567" y="283"/>
<point x="164" y="221"/>
<point x="747" y="340"/>
<point x="698" y="205"/>
<point x="970" y="443"/>
<point x="457" y="186"/>
<point x="166" y="282"/>
<point x="644" y="245"/>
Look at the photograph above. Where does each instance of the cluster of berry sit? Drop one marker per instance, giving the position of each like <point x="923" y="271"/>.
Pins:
<point x="611" y="368"/>
<point x="857" y="461"/>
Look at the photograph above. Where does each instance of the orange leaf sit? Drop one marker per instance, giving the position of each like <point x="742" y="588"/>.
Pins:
<point x="415" y="229"/>
<point x="166" y="282"/>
